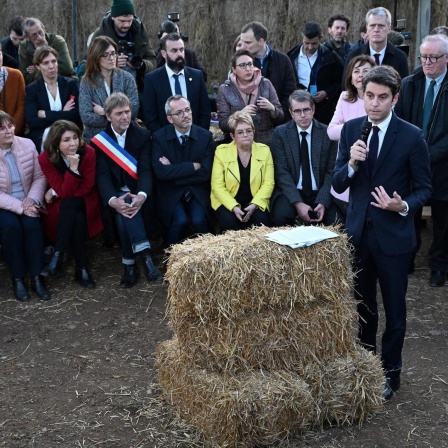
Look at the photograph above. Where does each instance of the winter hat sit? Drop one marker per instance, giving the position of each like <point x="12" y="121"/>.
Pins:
<point x="122" y="8"/>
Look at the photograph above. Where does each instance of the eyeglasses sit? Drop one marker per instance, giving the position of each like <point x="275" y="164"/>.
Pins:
<point x="299" y="112"/>
<point x="7" y="127"/>
<point x="432" y="59"/>
<point x="181" y="113"/>
<point x="109" y="55"/>
<point x="245" y="65"/>
<point x="242" y="133"/>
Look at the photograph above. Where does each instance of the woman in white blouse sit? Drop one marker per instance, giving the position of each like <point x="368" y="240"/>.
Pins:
<point x="50" y="98"/>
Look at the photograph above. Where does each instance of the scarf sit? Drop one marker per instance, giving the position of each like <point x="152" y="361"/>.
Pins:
<point x="248" y="92"/>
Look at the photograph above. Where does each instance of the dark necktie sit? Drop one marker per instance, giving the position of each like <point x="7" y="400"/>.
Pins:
<point x="427" y="107"/>
<point x="373" y="149"/>
<point x="184" y="139"/>
<point x="307" y="186"/>
<point x="377" y="58"/>
<point x="187" y="193"/>
<point x="177" y="89"/>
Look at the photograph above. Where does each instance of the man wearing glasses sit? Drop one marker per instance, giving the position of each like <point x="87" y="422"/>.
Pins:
<point x="423" y="101"/>
<point x="182" y="158"/>
<point x="304" y="159"/>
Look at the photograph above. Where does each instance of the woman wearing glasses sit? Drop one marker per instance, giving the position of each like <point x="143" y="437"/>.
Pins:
<point x="22" y="188"/>
<point x="248" y="91"/>
<point x="102" y="77"/>
<point x="242" y="177"/>
<point x="50" y="98"/>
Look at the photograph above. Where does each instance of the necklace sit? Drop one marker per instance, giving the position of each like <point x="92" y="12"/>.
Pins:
<point x="245" y="157"/>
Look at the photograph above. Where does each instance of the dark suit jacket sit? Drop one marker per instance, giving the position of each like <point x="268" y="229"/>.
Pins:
<point x="173" y="179"/>
<point x="10" y="53"/>
<point x="402" y="166"/>
<point x="158" y="90"/>
<point x="286" y="155"/>
<point x="110" y="177"/>
<point x="37" y="99"/>
<point x="393" y="57"/>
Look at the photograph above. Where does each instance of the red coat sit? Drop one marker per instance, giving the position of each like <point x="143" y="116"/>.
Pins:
<point x="67" y="184"/>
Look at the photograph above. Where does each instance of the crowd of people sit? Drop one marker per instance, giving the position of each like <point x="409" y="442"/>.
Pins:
<point x="329" y="133"/>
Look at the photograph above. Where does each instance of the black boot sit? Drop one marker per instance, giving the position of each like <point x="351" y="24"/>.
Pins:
<point x="19" y="289"/>
<point x="55" y="265"/>
<point x="83" y="277"/>
<point x="38" y="286"/>
<point x="130" y="276"/>
<point x="151" y="272"/>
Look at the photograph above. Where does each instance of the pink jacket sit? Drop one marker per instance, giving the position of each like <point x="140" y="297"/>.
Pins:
<point x="33" y="179"/>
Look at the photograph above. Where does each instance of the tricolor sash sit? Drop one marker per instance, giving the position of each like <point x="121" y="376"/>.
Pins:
<point x="118" y="154"/>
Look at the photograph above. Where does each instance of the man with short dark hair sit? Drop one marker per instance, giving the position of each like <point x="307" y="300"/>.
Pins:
<point x="338" y="26"/>
<point x="10" y="44"/>
<point x="318" y="69"/>
<point x="123" y="174"/>
<point x="304" y="158"/>
<point x="174" y="78"/>
<point x="389" y="180"/>
<point x="273" y="64"/>
<point x="182" y="158"/>
<point x="423" y="101"/>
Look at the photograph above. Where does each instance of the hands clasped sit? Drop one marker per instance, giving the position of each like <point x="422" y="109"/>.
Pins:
<point x="128" y="205"/>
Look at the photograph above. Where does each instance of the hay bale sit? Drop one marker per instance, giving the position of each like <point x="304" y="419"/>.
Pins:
<point x="258" y="408"/>
<point x="273" y="340"/>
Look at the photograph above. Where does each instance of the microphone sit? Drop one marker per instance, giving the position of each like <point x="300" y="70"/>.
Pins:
<point x="365" y="131"/>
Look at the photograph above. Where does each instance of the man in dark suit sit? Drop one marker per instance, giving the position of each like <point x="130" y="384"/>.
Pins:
<point x="182" y="158"/>
<point x="304" y="159"/>
<point x="423" y="101"/>
<point x="382" y="52"/>
<point x="386" y="189"/>
<point x="123" y="173"/>
<point x="174" y="79"/>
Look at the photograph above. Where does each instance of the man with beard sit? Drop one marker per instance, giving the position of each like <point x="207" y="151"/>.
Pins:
<point x="338" y="26"/>
<point x="174" y="79"/>
<point x="124" y="179"/>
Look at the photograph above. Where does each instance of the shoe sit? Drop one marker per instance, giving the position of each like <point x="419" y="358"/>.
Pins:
<point x="55" y="265"/>
<point x="83" y="277"/>
<point x="130" y="276"/>
<point x="437" y="278"/>
<point x="19" y="289"/>
<point x="392" y="385"/>
<point x="151" y="272"/>
<point x="38" y="286"/>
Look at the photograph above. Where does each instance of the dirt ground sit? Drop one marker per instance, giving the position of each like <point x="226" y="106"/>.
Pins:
<point x="78" y="371"/>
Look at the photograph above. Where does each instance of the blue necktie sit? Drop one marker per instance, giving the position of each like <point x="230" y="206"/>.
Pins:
<point x="373" y="150"/>
<point x="177" y="89"/>
<point x="427" y="107"/>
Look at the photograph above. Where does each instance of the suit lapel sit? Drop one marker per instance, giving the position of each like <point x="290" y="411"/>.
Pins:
<point x="316" y="146"/>
<point x="388" y="143"/>
<point x="293" y="140"/>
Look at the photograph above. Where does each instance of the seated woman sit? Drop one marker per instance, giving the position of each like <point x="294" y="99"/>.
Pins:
<point x="248" y="91"/>
<point x="242" y="177"/>
<point x="72" y="200"/>
<point x="22" y="188"/>
<point x="101" y="78"/>
<point x="12" y="95"/>
<point x="50" y="98"/>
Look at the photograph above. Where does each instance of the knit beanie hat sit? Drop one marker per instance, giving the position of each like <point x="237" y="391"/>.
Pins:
<point x="122" y="8"/>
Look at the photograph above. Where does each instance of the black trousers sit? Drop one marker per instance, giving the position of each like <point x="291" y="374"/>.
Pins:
<point x="228" y="221"/>
<point x="438" y="252"/>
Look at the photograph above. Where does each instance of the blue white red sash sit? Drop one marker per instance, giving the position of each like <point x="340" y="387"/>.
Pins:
<point x="118" y="154"/>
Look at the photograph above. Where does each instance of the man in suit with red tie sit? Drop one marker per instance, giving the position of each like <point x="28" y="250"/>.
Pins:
<point x="389" y="180"/>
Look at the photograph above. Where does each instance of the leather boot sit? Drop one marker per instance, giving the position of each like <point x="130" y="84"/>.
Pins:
<point x="55" y="265"/>
<point x="38" y="286"/>
<point x="19" y="289"/>
<point x="130" y="276"/>
<point x="151" y="272"/>
<point x="83" y="277"/>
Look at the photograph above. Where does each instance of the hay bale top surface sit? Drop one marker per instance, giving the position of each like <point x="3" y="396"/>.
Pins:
<point x="241" y="270"/>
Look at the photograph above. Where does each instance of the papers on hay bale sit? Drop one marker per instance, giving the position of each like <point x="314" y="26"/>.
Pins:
<point x="265" y="338"/>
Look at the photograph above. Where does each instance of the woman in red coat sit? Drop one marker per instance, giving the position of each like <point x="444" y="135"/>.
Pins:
<point x="72" y="200"/>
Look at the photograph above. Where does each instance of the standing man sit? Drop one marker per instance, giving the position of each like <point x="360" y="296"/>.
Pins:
<point x="174" y="79"/>
<point x="389" y="180"/>
<point x="123" y="174"/>
<point x="318" y="69"/>
<point x="182" y="158"/>
<point x="338" y="26"/>
<point x="274" y="65"/>
<point x="378" y="21"/>
<point x="128" y="32"/>
<point x="423" y="101"/>
<point x="36" y="36"/>
<point x="304" y="158"/>
<point x="10" y="44"/>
